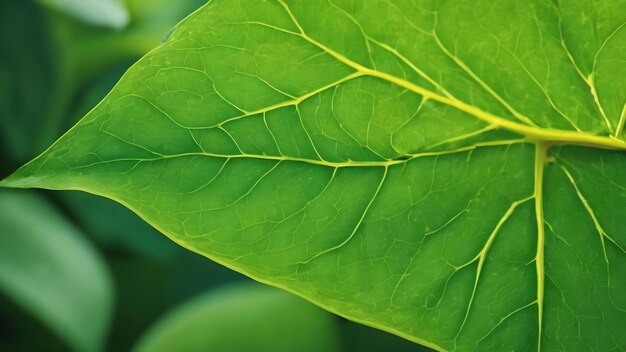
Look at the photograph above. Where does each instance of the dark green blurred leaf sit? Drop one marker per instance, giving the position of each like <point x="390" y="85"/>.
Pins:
<point x="51" y="58"/>
<point x="30" y="76"/>
<point x="244" y="318"/>
<point x="169" y="284"/>
<point x="106" y="13"/>
<point x="113" y="226"/>
<point x="361" y="338"/>
<point x="22" y="331"/>
<point x="51" y="271"/>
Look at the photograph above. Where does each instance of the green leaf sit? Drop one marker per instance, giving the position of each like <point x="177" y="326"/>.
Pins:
<point x="47" y="268"/>
<point x="105" y="13"/>
<point x="451" y="172"/>
<point x="243" y="318"/>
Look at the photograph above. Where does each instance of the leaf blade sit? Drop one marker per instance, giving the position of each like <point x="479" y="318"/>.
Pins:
<point x="337" y="168"/>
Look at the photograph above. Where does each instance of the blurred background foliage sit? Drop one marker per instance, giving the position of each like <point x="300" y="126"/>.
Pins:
<point x="82" y="273"/>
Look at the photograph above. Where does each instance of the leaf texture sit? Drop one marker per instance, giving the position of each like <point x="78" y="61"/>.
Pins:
<point x="449" y="171"/>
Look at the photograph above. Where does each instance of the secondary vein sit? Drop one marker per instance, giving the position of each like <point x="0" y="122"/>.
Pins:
<point x="540" y="160"/>
<point x="553" y="136"/>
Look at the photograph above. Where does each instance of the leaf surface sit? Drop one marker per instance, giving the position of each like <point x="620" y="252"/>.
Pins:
<point x="451" y="172"/>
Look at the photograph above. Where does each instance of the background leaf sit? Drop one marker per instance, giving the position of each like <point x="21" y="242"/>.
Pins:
<point x="28" y="70"/>
<point x="48" y="268"/>
<point x="244" y="318"/>
<point x="106" y="13"/>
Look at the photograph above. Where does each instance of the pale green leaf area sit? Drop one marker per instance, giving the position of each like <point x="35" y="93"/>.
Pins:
<point x="52" y="272"/>
<point x="244" y="318"/>
<point x="105" y="13"/>
<point x="453" y="172"/>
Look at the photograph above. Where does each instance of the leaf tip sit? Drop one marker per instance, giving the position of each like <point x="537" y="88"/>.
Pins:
<point x="13" y="181"/>
<point x="20" y="179"/>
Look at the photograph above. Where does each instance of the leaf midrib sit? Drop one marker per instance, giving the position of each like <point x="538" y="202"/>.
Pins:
<point x="332" y="164"/>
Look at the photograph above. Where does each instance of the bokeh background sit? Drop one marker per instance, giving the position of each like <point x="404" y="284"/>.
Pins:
<point x="82" y="273"/>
